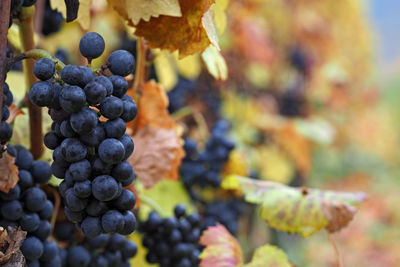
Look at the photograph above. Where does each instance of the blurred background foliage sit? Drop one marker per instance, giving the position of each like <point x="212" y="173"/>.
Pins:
<point x="312" y="97"/>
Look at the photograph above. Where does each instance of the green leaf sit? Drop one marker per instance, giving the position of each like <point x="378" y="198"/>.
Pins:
<point x="165" y="194"/>
<point x="215" y="63"/>
<point x="269" y="256"/>
<point x="298" y="210"/>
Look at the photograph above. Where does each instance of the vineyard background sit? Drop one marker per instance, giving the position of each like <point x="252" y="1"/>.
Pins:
<point x="310" y="91"/>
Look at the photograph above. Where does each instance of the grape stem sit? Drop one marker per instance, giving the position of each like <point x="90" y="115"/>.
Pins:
<point x="151" y="204"/>
<point x="35" y="113"/>
<point x="36" y="54"/>
<point x="4" y="22"/>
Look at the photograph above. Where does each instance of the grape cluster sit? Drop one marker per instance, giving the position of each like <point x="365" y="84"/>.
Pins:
<point x="179" y="95"/>
<point x="90" y="153"/>
<point x="101" y="251"/>
<point x="224" y="212"/>
<point x="27" y="206"/>
<point x="5" y="129"/>
<point x="204" y="168"/>
<point x="172" y="242"/>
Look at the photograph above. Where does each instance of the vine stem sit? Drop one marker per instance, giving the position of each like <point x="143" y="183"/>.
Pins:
<point x="4" y="21"/>
<point x="339" y="262"/>
<point x="150" y="203"/>
<point x="140" y="78"/>
<point x="35" y="113"/>
<point x="140" y="74"/>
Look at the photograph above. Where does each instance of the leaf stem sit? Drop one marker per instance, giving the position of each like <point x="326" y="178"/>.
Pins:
<point x="4" y="21"/>
<point x="35" y="113"/>
<point x="152" y="204"/>
<point x="339" y="262"/>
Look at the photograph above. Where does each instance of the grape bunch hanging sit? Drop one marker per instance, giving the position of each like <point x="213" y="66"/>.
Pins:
<point x="88" y="137"/>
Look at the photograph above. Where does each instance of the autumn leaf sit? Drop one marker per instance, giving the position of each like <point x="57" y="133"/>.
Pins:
<point x="298" y="210"/>
<point x="158" y="142"/>
<point x="193" y="32"/>
<point x="10" y="243"/>
<point x="135" y="10"/>
<point x="215" y="63"/>
<point x="153" y="107"/>
<point x="83" y="11"/>
<point x="154" y="153"/>
<point x="269" y="256"/>
<point x="221" y="248"/>
<point x="8" y="173"/>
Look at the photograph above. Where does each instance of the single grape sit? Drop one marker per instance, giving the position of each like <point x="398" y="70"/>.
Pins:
<point x="104" y="188"/>
<point x="41" y="94"/>
<point x="44" y="69"/>
<point x="32" y="248"/>
<point x="91" y="45"/>
<point x="121" y="62"/>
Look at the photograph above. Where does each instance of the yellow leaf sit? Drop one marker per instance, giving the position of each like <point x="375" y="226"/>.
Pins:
<point x="268" y="255"/>
<point x="299" y="209"/>
<point x="83" y="12"/>
<point x="215" y="63"/>
<point x="188" y="34"/>
<point x="164" y="64"/>
<point x="220" y="15"/>
<point x="135" y="10"/>
<point x="189" y="67"/>
<point x="208" y="23"/>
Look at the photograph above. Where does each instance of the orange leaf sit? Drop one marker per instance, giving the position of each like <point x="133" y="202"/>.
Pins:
<point x="153" y="106"/>
<point x="8" y="173"/>
<point x="222" y="249"/>
<point x="158" y="143"/>
<point x="188" y="34"/>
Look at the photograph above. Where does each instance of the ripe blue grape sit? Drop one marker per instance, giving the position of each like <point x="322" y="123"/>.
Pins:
<point x="41" y="94"/>
<point x="104" y="188"/>
<point x="84" y="121"/>
<point x="121" y="62"/>
<point x="44" y="69"/>
<point x="112" y="107"/>
<point x="91" y="45"/>
<point x="72" y="98"/>
<point x="32" y="248"/>
<point x="111" y="150"/>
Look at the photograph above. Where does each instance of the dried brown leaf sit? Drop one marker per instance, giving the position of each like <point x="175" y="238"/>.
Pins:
<point x="10" y="242"/>
<point x="8" y="173"/>
<point x="154" y="153"/>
